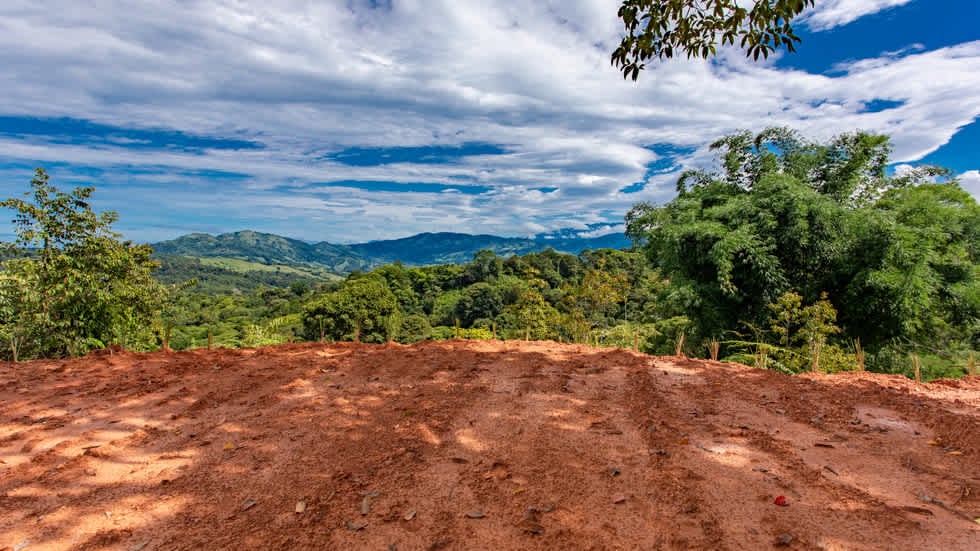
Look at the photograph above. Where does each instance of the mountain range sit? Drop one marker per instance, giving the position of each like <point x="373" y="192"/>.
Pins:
<point x="250" y="251"/>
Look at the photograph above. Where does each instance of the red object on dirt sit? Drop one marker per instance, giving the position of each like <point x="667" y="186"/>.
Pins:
<point x="781" y="501"/>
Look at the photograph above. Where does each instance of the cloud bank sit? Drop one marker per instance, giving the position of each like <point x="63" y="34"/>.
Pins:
<point x="358" y="120"/>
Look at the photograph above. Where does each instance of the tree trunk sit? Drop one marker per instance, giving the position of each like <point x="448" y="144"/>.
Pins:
<point x="815" y="357"/>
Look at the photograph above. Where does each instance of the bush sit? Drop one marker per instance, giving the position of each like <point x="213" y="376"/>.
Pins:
<point x="414" y="328"/>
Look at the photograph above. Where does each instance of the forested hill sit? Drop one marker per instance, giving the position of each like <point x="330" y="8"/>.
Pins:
<point x="458" y="248"/>
<point x="419" y="250"/>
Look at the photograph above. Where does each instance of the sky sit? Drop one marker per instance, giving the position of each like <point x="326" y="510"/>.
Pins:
<point x="354" y="120"/>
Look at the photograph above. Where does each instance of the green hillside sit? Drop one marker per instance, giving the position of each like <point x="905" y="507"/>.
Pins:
<point x="249" y="251"/>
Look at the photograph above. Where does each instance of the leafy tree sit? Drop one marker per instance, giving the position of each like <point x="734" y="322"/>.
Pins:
<point x="896" y="256"/>
<point x="414" y="328"/>
<point x="361" y="310"/>
<point x="664" y="28"/>
<point x="444" y="308"/>
<point x="917" y="269"/>
<point x="486" y="265"/>
<point x="173" y="311"/>
<point x="74" y="286"/>
<point x="600" y="293"/>
<point x="400" y="283"/>
<point x="531" y="317"/>
<point x="802" y="331"/>
<point x="19" y="305"/>
<point x="480" y="301"/>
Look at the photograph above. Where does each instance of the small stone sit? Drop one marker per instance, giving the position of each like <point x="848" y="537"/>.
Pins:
<point x="619" y="499"/>
<point x="533" y="528"/>
<point x="300" y="507"/>
<point x="249" y="503"/>
<point x="475" y="514"/>
<point x="783" y="540"/>
<point x="90" y="472"/>
<point x="409" y="515"/>
<point x="355" y="526"/>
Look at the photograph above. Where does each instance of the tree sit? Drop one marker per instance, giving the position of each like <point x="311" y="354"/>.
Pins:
<point x="600" y="293"/>
<point x="486" y="265"/>
<point x="361" y="310"/>
<point x="531" y="317"/>
<point x="897" y="256"/>
<point x="480" y="301"/>
<point x="73" y="285"/>
<point x="802" y="331"/>
<point x="19" y="301"/>
<point x="413" y="328"/>
<point x="664" y="28"/>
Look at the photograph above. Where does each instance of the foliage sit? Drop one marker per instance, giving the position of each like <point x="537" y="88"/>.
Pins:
<point x="361" y="311"/>
<point x="480" y="301"/>
<point x="239" y="319"/>
<point x="802" y="331"/>
<point x="664" y="333"/>
<point x="895" y="256"/>
<point x="414" y="328"/>
<point x="74" y="285"/>
<point x="664" y="28"/>
<point x="625" y="335"/>
<point x="443" y="333"/>
<point x="274" y="331"/>
<point x="531" y="317"/>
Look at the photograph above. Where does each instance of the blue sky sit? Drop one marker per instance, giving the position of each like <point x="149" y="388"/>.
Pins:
<point x="353" y="120"/>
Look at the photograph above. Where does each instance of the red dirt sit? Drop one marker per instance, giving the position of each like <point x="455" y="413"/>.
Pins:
<point x="478" y="445"/>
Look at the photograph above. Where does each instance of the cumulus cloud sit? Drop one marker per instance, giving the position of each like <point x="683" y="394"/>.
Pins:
<point x="306" y="81"/>
<point x="827" y="14"/>
<point x="970" y="181"/>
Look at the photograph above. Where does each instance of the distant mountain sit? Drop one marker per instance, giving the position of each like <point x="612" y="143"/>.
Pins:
<point x="458" y="248"/>
<point x="423" y="249"/>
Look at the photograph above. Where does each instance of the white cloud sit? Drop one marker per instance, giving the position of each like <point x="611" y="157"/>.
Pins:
<point x="310" y="79"/>
<point x="970" y="181"/>
<point x="827" y="14"/>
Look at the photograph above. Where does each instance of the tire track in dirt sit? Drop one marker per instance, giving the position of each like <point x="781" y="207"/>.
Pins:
<point x="476" y="445"/>
<point x="742" y="456"/>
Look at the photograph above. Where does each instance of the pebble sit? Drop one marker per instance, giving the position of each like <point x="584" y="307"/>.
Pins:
<point x="783" y="540"/>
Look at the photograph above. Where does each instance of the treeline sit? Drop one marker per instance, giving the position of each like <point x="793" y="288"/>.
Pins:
<point x="795" y="256"/>
<point x="606" y="297"/>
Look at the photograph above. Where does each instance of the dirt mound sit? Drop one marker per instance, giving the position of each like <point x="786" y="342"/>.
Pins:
<point x="478" y="445"/>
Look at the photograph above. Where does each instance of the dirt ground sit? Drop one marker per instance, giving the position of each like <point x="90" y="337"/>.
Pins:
<point x="478" y="445"/>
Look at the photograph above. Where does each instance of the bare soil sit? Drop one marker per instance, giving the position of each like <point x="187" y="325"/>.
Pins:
<point x="478" y="445"/>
